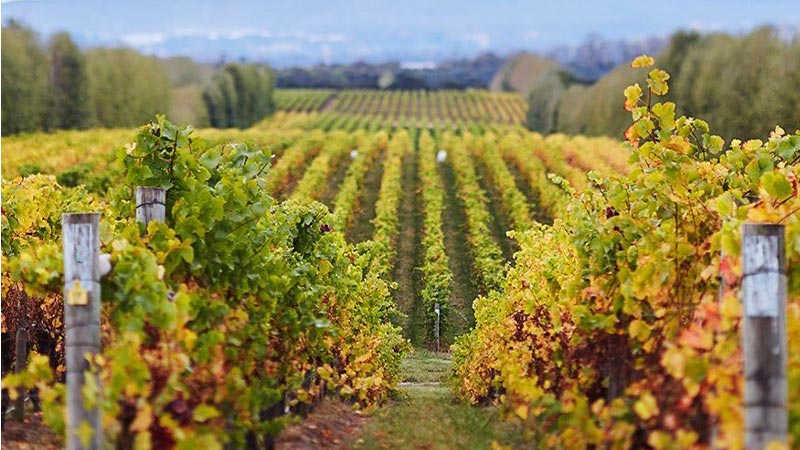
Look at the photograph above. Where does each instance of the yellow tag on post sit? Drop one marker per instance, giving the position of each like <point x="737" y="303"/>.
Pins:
<point x="77" y="295"/>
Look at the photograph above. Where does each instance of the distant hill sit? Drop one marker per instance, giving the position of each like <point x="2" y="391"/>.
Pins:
<point x="453" y="74"/>
<point x="520" y="71"/>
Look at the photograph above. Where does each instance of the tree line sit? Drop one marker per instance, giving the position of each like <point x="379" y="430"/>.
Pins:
<point x="239" y="95"/>
<point x="742" y="85"/>
<point x="54" y="85"/>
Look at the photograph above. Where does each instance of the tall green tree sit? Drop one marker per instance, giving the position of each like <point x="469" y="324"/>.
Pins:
<point x="24" y="80"/>
<point x="239" y="95"/>
<point x="126" y="88"/>
<point x="69" y="103"/>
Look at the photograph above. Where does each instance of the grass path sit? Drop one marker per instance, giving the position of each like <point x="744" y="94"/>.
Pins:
<point x="456" y="244"/>
<point x="410" y="253"/>
<point x="428" y="416"/>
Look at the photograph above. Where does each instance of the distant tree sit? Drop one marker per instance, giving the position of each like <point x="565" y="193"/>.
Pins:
<point x="544" y="99"/>
<point x="741" y="85"/>
<point x="126" y="88"/>
<point x="239" y="95"/>
<point x="24" y="80"/>
<point x="69" y="101"/>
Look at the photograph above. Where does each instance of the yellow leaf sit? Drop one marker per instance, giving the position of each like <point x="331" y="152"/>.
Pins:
<point x="143" y="419"/>
<point x="674" y="361"/>
<point x="775" y="445"/>
<point x="632" y="95"/>
<point x="659" y="440"/>
<point x="85" y="433"/>
<point x="521" y="411"/>
<point x="204" y="412"/>
<point x="753" y="144"/>
<point x="142" y="441"/>
<point x="346" y="391"/>
<point x="639" y="330"/>
<point x="643" y="61"/>
<point x="646" y="407"/>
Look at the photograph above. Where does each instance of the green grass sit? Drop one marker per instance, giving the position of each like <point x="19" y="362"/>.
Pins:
<point x="423" y="366"/>
<point x="428" y="416"/>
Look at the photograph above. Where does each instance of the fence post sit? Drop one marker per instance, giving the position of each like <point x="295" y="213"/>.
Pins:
<point x="150" y="204"/>
<point x="764" y="334"/>
<point x="21" y="354"/>
<point x="438" y="317"/>
<point x="81" y="240"/>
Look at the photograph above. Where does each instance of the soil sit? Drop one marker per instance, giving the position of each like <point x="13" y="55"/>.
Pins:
<point x="330" y="426"/>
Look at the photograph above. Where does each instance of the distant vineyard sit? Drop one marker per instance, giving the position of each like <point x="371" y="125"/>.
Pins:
<point x="301" y="100"/>
<point x="424" y="106"/>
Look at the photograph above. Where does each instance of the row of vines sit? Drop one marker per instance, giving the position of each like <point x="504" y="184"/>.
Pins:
<point x="612" y="329"/>
<point x="217" y="324"/>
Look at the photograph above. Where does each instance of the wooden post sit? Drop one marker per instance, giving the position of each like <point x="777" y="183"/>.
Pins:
<point x="21" y="362"/>
<point x="764" y="334"/>
<point x="438" y="316"/>
<point x="150" y="204"/>
<point x="82" y="321"/>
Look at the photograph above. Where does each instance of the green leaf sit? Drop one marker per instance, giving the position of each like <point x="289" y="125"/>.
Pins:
<point x="665" y="113"/>
<point x="776" y="185"/>
<point x="204" y="412"/>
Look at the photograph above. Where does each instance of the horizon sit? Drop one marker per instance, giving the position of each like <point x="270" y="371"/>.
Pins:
<point x="290" y="35"/>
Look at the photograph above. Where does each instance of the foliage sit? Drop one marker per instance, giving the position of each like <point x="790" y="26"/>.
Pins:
<point x="611" y="330"/>
<point x="69" y="103"/>
<point x="126" y="88"/>
<point x="337" y="147"/>
<point x="236" y="311"/>
<point x="347" y="200"/>
<point x="486" y="253"/>
<point x="514" y="203"/>
<point x="708" y="81"/>
<point x="436" y="276"/>
<point x="391" y="190"/>
<point x="24" y="80"/>
<point x="239" y="96"/>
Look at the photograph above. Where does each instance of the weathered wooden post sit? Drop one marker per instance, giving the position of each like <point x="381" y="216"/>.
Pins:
<point x="150" y="204"/>
<point x="19" y="367"/>
<point x="438" y="316"/>
<point x="81" y="240"/>
<point x="764" y="334"/>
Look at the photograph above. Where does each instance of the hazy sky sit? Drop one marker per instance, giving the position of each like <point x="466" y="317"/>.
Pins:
<point x="373" y="27"/>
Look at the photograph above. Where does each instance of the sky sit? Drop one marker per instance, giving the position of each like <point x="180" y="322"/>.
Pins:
<point x="343" y="31"/>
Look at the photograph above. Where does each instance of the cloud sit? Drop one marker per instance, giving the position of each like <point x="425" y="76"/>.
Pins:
<point x="277" y="48"/>
<point x="482" y="40"/>
<point x="532" y="35"/>
<point x="143" y="39"/>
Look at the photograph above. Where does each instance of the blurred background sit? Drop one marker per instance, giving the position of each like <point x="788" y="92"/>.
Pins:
<point x="91" y="63"/>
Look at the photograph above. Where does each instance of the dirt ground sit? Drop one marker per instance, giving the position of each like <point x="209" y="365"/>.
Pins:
<point x="332" y="425"/>
<point x="31" y="434"/>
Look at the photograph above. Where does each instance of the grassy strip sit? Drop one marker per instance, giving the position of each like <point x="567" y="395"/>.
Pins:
<point x="486" y="252"/>
<point x="436" y="275"/>
<point x="465" y="285"/>
<point x="362" y="226"/>
<point x="429" y="417"/>
<point x="409" y="253"/>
